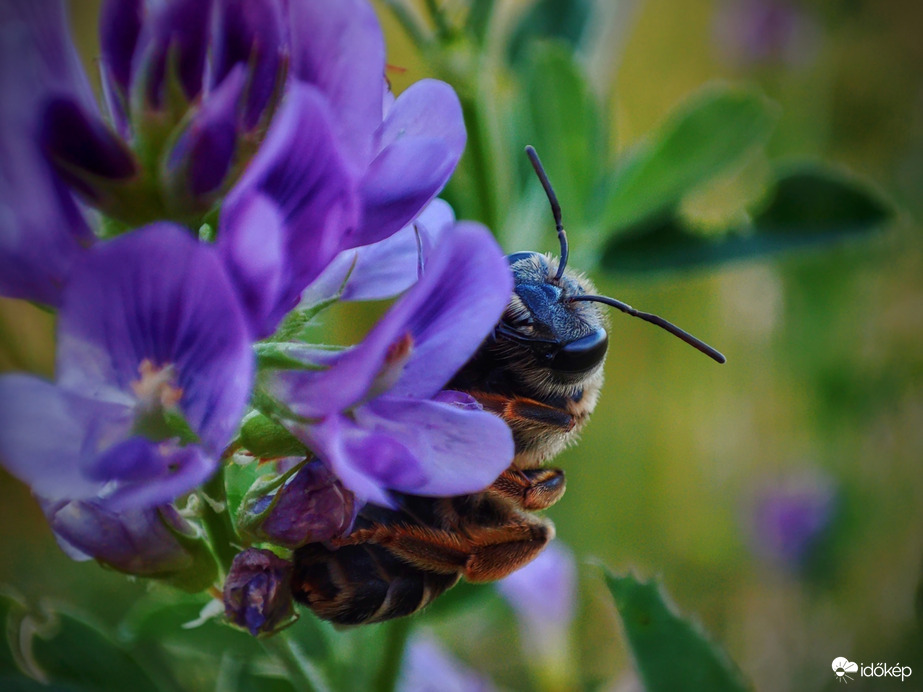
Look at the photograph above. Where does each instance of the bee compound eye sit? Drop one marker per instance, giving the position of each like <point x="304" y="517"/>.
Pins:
<point x="583" y="354"/>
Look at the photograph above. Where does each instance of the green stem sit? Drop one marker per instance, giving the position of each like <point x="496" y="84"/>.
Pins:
<point x="217" y="521"/>
<point x="436" y="14"/>
<point x="395" y="642"/>
<point x="302" y="672"/>
<point x="480" y="163"/>
<point x="408" y="22"/>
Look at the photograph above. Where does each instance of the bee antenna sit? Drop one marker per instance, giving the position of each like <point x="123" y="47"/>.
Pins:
<point x="555" y="207"/>
<point x="660" y="322"/>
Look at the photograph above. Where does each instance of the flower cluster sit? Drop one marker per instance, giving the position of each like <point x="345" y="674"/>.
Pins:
<point x="248" y="167"/>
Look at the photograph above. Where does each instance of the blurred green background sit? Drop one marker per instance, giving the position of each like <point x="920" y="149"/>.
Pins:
<point x="822" y="395"/>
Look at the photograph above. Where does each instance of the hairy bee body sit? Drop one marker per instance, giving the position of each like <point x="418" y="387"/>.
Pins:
<point x="540" y="370"/>
<point x="395" y="562"/>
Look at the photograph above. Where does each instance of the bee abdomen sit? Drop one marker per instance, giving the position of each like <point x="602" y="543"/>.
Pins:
<point x="362" y="584"/>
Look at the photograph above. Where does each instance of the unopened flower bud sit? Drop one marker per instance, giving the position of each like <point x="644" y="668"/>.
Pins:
<point x="156" y="542"/>
<point x="308" y="507"/>
<point x="258" y="593"/>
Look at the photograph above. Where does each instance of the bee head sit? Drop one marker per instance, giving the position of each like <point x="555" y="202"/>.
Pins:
<point x="553" y="313"/>
<point x="565" y="337"/>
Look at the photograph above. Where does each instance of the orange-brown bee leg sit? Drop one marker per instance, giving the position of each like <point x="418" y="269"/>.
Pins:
<point x="532" y="489"/>
<point x="481" y="554"/>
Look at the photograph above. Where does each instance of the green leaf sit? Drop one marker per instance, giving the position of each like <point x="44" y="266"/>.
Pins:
<point x="708" y="134"/>
<point x="811" y="206"/>
<point x="12" y="611"/>
<point x="266" y="439"/>
<point x="281" y="355"/>
<point x="75" y="652"/>
<point x="564" y="20"/>
<point x="565" y="125"/>
<point x="670" y="653"/>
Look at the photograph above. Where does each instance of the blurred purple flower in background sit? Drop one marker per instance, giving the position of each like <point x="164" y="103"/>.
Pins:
<point x="543" y="594"/>
<point x="257" y="592"/>
<point x="754" y="32"/>
<point x="430" y="668"/>
<point x="377" y="415"/>
<point x="789" y="518"/>
<point x="154" y="368"/>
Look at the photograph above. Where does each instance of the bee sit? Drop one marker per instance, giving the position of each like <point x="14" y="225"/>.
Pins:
<point x="541" y="370"/>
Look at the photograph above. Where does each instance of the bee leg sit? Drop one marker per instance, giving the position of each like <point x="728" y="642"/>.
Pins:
<point x="532" y="489"/>
<point x="481" y="554"/>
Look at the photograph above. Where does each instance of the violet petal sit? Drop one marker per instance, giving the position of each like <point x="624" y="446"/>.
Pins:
<point x="41" y="229"/>
<point x="135" y="541"/>
<point x="464" y="289"/>
<point x="55" y="466"/>
<point x="203" y="154"/>
<point x="120" y="24"/>
<point x="419" y="145"/>
<point x="175" y="32"/>
<point x="300" y="169"/>
<point x="250" y="33"/>
<point x="459" y="450"/>
<point x="157" y="295"/>
<point x="339" y="48"/>
<point x="386" y="268"/>
<point x="80" y="144"/>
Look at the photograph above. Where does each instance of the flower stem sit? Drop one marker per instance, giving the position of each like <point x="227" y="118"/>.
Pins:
<point x="217" y="520"/>
<point x="302" y="672"/>
<point x="395" y="642"/>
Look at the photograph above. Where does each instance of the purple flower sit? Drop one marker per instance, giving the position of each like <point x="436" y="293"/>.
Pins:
<point x="543" y="595"/>
<point x="310" y="506"/>
<point x="376" y="415"/>
<point x="192" y="87"/>
<point x="258" y="592"/>
<point x="154" y="368"/>
<point x="154" y="542"/>
<point x="790" y="517"/>
<point x="429" y="668"/>
<point x="765" y="31"/>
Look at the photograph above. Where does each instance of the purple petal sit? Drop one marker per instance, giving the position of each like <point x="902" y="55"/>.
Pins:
<point x="250" y="33"/>
<point x="300" y="170"/>
<point x="366" y="462"/>
<point x="428" y="667"/>
<point x="419" y="145"/>
<point x="458" y="448"/>
<point x="41" y="229"/>
<point x="55" y="466"/>
<point x="158" y="295"/>
<point x="81" y="146"/>
<point x="470" y="290"/>
<point x="136" y="541"/>
<point x="339" y="48"/>
<point x="140" y="473"/>
<point x="202" y="155"/>
<point x="543" y="594"/>
<point x="119" y="28"/>
<point x="386" y="268"/>
<point x="176" y="33"/>
<point x="464" y="289"/>
<point x="53" y="62"/>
